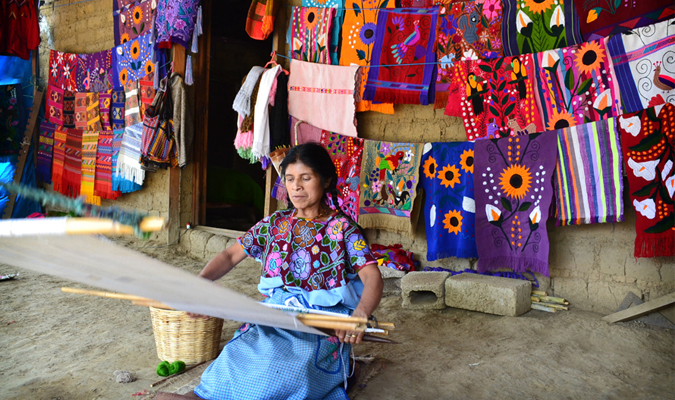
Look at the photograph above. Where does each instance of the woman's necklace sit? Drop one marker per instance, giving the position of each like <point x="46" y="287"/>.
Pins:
<point x="319" y="215"/>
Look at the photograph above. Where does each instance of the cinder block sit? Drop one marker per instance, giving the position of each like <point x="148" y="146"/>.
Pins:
<point x="488" y="294"/>
<point x="424" y="290"/>
<point x="392" y="281"/>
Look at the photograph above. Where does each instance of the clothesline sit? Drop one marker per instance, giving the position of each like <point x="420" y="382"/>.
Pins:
<point x="384" y="65"/>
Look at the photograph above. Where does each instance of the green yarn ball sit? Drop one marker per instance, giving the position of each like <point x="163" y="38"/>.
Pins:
<point x="176" y="367"/>
<point x="163" y="368"/>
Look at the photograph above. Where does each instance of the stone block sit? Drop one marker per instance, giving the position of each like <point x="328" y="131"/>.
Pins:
<point x="488" y="294"/>
<point x="424" y="290"/>
<point x="392" y="281"/>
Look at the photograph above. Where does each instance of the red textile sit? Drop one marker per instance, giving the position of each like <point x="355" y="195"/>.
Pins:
<point x="394" y="257"/>
<point x="260" y="18"/>
<point x="72" y="171"/>
<point x="19" y="30"/>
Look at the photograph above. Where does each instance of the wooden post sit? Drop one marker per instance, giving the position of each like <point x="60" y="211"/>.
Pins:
<point x="178" y="58"/>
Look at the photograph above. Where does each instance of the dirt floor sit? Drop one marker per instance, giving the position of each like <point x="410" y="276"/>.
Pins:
<point x="57" y="346"/>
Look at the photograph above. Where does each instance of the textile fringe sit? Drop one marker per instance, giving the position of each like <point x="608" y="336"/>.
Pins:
<point x="131" y="173"/>
<point x="581" y="221"/>
<point x="388" y="222"/>
<point x="660" y="246"/>
<point x="243" y="140"/>
<point x="447" y="253"/>
<point x="189" y="80"/>
<point x="395" y="96"/>
<point x="517" y="264"/>
<point x="441" y="100"/>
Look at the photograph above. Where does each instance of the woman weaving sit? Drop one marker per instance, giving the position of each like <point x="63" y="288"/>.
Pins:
<point x="311" y="257"/>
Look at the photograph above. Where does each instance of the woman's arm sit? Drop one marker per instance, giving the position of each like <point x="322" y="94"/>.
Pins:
<point x="370" y="299"/>
<point x="223" y="262"/>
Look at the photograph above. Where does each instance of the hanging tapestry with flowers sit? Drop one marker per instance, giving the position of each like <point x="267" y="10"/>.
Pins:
<point x="403" y="58"/>
<point x="122" y="4"/>
<point x="308" y="34"/>
<point x="336" y="24"/>
<point x="358" y="38"/>
<point x="604" y="18"/>
<point x="449" y="205"/>
<point x="132" y="60"/>
<point x="648" y="139"/>
<point x="513" y="196"/>
<point x="576" y="85"/>
<point x="468" y="30"/>
<point x="94" y="72"/>
<point x="346" y="152"/>
<point x="588" y="182"/>
<point x="134" y="21"/>
<point x="531" y="26"/>
<point x="175" y="22"/>
<point x="496" y="97"/>
<point x="643" y="61"/>
<point x="63" y="70"/>
<point x="12" y="119"/>
<point x="389" y="178"/>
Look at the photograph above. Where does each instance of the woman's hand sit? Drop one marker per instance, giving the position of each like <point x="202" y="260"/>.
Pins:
<point x="352" y="337"/>
<point x="370" y="299"/>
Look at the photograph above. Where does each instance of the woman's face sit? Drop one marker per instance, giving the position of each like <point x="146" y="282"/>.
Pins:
<point x="303" y="185"/>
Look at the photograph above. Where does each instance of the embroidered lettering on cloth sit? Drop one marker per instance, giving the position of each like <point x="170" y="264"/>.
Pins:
<point x="449" y="205"/>
<point x="118" y="183"/>
<point x="175" y="22"/>
<point x="128" y="160"/>
<point x="260" y="18"/>
<point x="94" y="72"/>
<point x="358" y="38"/>
<point x="45" y="151"/>
<point x="531" y="26"/>
<point x="55" y="105"/>
<point x="19" y="30"/>
<point x="59" y="158"/>
<point x="118" y="98"/>
<point x="648" y="141"/>
<point x="588" y="181"/>
<point x="89" y="146"/>
<point x="63" y="70"/>
<point x="72" y="169"/>
<point x="132" y="114"/>
<point x="134" y="20"/>
<point x="103" y="173"/>
<point x="346" y="153"/>
<point x="332" y="110"/>
<point x="68" y="109"/>
<point x="104" y="104"/>
<point x="133" y="60"/>
<point x="576" y="85"/>
<point x="389" y="178"/>
<point x="607" y="18"/>
<point x="643" y="61"/>
<point x="496" y="97"/>
<point x="12" y="119"/>
<point x="403" y="37"/>
<point x="309" y="33"/>
<point x="513" y="196"/>
<point x="467" y="30"/>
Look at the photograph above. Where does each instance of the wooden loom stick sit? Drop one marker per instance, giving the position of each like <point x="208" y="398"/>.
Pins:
<point x="320" y="317"/>
<point x="151" y="303"/>
<point x="540" y="307"/>
<point x="84" y="226"/>
<point x="100" y="293"/>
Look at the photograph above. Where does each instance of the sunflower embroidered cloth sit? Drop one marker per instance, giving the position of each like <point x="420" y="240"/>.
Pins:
<point x="402" y="61"/>
<point x="175" y="22"/>
<point x="63" y="70"/>
<point x="308" y="34"/>
<point x="389" y="178"/>
<point x="336" y="24"/>
<point x="588" y="180"/>
<point x="599" y="19"/>
<point x="496" y="98"/>
<point x="576" y="85"/>
<point x="643" y="61"/>
<point x="133" y="60"/>
<point x="94" y="72"/>
<point x="134" y="20"/>
<point x="323" y="96"/>
<point x="531" y="26"/>
<point x="513" y="196"/>
<point x="346" y="153"/>
<point x="648" y="139"/>
<point x="467" y="30"/>
<point x="45" y="151"/>
<point x="358" y="38"/>
<point x="449" y="205"/>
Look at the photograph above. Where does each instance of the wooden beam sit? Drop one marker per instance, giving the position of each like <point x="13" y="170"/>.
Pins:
<point x="642" y="309"/>
<point x="178" y="58"/>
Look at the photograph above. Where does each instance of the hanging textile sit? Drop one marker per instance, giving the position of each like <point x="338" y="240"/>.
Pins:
<point x="54" y="108"/>
<point x="133" y="60"/>
<point x="468" y="30"/>
<point x="607" y="18"/>
<point x="87" y="116"/>
<point x="183" y="123"/>
<point x="118" y="97"/>
<point x="576" y="85"/>
<point x="128" y="160"/>
<point x="323" y="96"/>
<point x="336" y="23"/>
<point x="532" y="26"/>
<point x="308" y="34"/>
<point x="63" y="70"/>
<point x="45" y="151"/>
<point x="59" y="158"/>
<point x="147" y="92"/>
<point x="242" y="102"/>
<point x="134" y="20"/>
<point x="12" y="119"/>
<point x="104" y="103"/>
<point x="302" y="132"/>
<point x="94" y="72"/>
<point x="648" y="142"/>
<point x="123" y="4"/>
<point x="261" y="126"/>
<point x="103" y="173"/>
<point x="68" y="109"/>
<point x="280" y="136"/>
<point x="158" y="144"/>
<point x="588" y="180"/>
<point x="496" y="97"/>
<point x="120" y="184"/>
<point x="260" y="18"/>
<point x="513" y="195"/>
<point x="643" y="61"/>
<point x="403" y="37"/>
<point x="358" y="38"/>
<point x="89" y="146"/>
<point x="346" y="153"/>
<point x="389" y="178"/>
<point x="449" y="205"/>
<point x="72" y="169"/>
<point x="394" y="257"/>
<point x="132" y="115"/>
<point x="19" y="30"/>
<point x="247" y="122"/>
<point x="175" y="22"/>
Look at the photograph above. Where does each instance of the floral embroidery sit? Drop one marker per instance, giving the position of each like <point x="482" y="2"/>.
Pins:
<point x="308" y="34"/>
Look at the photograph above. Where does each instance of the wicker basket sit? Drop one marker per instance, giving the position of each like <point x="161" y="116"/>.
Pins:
<point x="179" y="337"/>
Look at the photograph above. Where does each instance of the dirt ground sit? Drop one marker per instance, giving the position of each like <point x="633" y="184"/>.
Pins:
<point x="57" y="346"/>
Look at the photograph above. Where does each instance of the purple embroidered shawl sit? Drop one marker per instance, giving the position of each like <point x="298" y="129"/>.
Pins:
<point x="175" y="22"/>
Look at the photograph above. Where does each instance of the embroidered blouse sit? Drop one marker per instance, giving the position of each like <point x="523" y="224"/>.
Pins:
<point x="318" y="259"/>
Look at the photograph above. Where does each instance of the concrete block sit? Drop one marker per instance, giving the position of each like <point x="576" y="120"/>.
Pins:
<point x="424" y="290"/>
<point x="488" y="294"/>
<point x="392" y="281"/>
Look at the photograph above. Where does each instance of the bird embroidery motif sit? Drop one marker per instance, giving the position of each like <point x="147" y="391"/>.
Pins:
<point x="474" y="91"/>
<point x="661" y="81"/>
<point x="398" y="50"/>
<point x="389" y="163"/>
<point x="518" y="76"/>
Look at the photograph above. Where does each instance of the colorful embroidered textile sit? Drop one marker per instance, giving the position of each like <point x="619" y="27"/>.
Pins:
<point x="260" y="18"/>
<point x="403" y="37"/>
<point x="45" y="151"/>
<point x="86" y="112"/>
<point x="133" y="60"/>
<point x="588" y="182"/>
<point x="118" y="183"/>
<point x="118" y="98"/>
<point x="531" y="26"/>
<point x="68" y="109"/>
<point x="449" y="205"/>
<point x="346" y="153"/>
<point x="55" y="105"/>
<point x="104" y="102"/>
<point x="302" y="132"/>
<point x="81" y="103"/>
<point x="496" y="97"/>
<point x="389" y="177"/>
<point x="132" y="114"/>
<point x="394" y="257"/>
<point x="12" y="119"/>
<point x="336" y="24"/>
<point x="89" y="146"/>
<point x="122" y="4"/>
<point x="607" y="18"/>
<point x="643" y="61"/>
<point x="94" y="72"/>
<point x="467" y="30"/>
<point x="158" y="144"/>
<point x="103" y="175"/>
<point x="513" y="194"/>
<point x="648" y="139"/>
<point x="147" y="92"/>
<point x="19" y="30"/>
<point x="72" y="169"/>
<point x="59" y="158"/>
<point x="128" y="160"/>
<point x="175" y="22"/>
<point x="358" y="38"/>
<point x="308" y="34"/>
<point x="323" y="96"/>
<point x="134" y="20"/>
<point x="63" y="70"/>
<point x="576" y="85"/>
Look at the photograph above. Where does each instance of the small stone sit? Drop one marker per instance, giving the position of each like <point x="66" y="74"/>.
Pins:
<point x="123" y="376"/>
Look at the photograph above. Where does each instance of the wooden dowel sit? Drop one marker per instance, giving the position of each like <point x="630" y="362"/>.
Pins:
<point x="537" y="306"/>
<point x="535" y="299"/>
<point x="86" y="226"/>
<point x="551" y="299"/>
<point x="345" y="326"/>
<point x="151" y="303"/>
<point x="111" y="295"/>
<point x="321" y="317"/>
<point x="539" y="293"/>
<point x="171" y="376"/>
<point x="555" y="305"/>
<point x="385" y="325"/>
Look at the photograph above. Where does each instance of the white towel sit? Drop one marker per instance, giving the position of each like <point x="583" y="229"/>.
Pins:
<point x="261" y="123"/>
